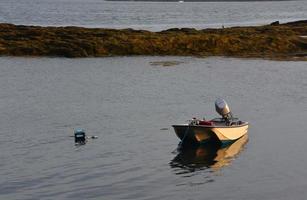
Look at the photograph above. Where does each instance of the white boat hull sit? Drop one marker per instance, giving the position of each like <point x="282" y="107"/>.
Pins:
<point x="202" y="133"/>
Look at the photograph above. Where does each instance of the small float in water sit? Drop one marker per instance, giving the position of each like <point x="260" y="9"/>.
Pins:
<point x="224" y="130"/>
<point x="81" y="137"/>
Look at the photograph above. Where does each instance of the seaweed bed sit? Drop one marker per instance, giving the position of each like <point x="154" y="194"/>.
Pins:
<point x="273" y="41"/>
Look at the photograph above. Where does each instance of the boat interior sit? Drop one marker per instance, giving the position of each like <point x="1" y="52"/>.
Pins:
<point x="217" y="122"/>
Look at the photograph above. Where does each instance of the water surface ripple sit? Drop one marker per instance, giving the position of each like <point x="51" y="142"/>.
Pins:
<point x="130" y="105"/>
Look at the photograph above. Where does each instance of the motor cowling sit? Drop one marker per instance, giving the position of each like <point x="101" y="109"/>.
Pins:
<point x="222" y="108"/>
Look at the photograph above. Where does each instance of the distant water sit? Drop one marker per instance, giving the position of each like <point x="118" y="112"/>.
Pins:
<point x="148" y="15"/>
<point x="130" y="105"/>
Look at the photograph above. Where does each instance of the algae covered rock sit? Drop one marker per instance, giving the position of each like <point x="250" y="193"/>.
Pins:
<point x="273" y="41"/>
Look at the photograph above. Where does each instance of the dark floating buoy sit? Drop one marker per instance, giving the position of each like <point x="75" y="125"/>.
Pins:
<point x="80" y="137"/>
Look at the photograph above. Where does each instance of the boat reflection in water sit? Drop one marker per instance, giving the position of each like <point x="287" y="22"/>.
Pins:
<point x="211" y="155"/>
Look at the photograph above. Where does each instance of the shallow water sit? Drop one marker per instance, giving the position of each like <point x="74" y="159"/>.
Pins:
<point x="130" y="105"/>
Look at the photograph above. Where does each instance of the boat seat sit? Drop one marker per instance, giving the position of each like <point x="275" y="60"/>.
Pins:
<point x="207" y="123"/>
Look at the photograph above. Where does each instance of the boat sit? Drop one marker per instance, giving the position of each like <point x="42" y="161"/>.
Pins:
<point x="224" y="130"/>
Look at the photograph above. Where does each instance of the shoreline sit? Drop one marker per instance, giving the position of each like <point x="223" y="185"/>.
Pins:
<point x="275" y="41"/>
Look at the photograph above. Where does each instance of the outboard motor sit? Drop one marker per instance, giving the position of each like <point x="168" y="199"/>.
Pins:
<point x="222" y="108"/>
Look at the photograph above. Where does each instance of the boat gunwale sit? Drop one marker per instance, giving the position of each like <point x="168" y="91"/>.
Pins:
<point x="210" y="126"/>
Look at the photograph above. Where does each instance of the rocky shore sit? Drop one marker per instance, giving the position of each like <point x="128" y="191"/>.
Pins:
<point x="274" y="41"/>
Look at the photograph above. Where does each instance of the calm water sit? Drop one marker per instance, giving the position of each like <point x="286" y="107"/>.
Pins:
<point x="130" y="105"/>
<point x="151" y="15"/>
